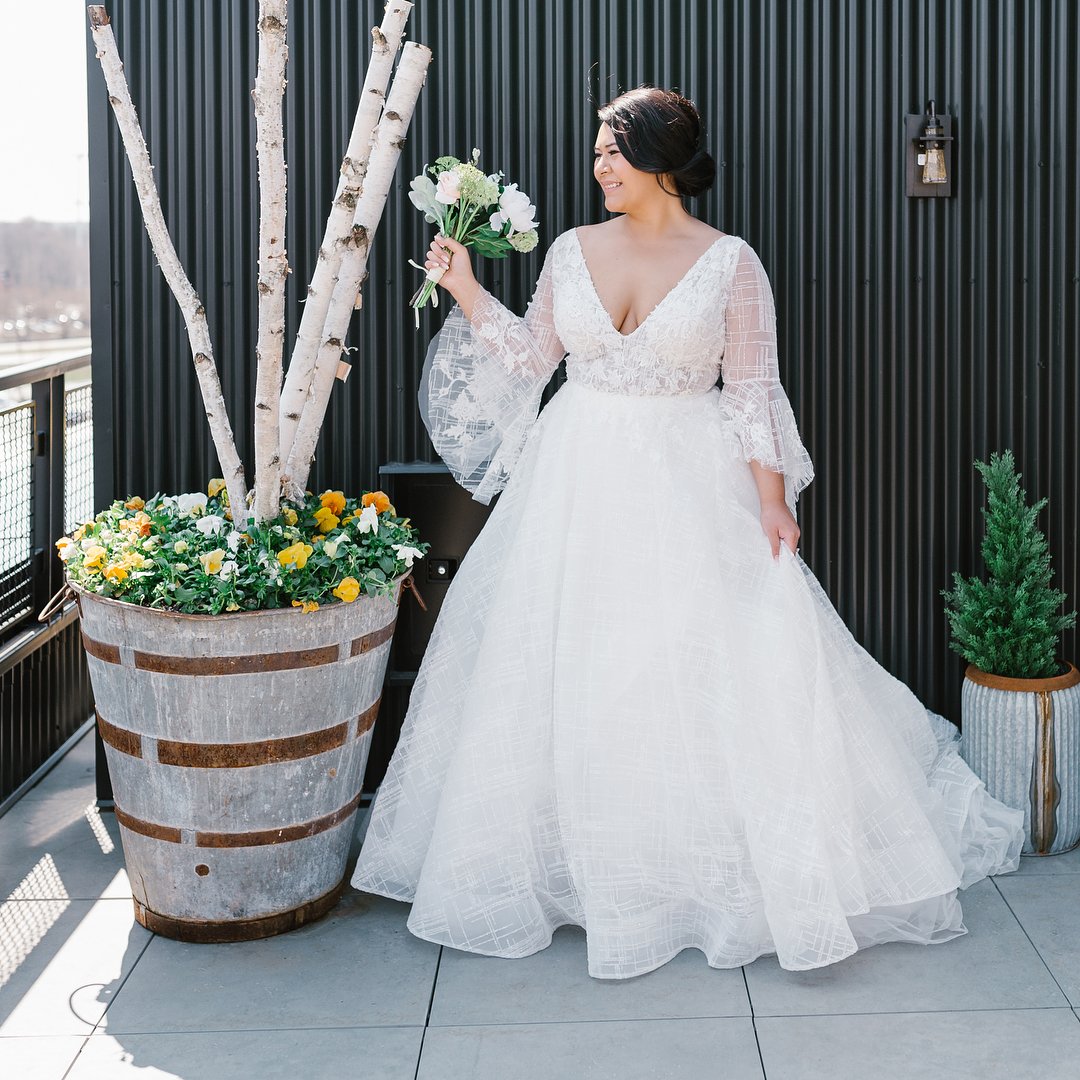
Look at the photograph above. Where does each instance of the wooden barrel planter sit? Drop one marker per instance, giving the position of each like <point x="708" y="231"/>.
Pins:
<point x="1022" y="737"/>
<point x="236" y="745"/>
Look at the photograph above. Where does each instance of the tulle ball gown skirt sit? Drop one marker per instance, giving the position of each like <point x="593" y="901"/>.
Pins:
<point x="632" y="718"/>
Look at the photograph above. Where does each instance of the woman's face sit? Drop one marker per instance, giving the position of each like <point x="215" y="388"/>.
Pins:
<point x="622" y="184"/>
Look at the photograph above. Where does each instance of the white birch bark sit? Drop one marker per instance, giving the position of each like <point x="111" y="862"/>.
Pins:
<point x="273" y="261"/>
<point x="202" y="350"/>
<point x="385" y="42"/>
<point x="386" y="150"/>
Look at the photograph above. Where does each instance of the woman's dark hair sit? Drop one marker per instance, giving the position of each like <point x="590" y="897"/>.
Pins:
<point x="659" y="131"/>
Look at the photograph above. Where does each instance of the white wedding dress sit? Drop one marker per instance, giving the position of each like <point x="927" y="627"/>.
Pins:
<point x="630" y="716"/>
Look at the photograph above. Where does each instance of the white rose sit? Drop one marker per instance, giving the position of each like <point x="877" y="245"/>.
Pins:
<point x="514" y="206"/>
<point x="448" y="189"/>
<point x="210" y="525"/>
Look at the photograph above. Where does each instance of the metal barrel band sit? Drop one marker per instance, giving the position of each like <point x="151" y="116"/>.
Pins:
<point x="237" y="755"/>
<point x="239" y="665"/>
<point x="259" y="838"/>
<point x="215" y="933"/>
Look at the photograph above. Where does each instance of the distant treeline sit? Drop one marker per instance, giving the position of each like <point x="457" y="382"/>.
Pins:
<point x="44" y="268"/>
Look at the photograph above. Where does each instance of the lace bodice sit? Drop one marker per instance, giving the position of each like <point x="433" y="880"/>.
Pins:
<point x="675" y="350"/>
<point x="482" y="380"/>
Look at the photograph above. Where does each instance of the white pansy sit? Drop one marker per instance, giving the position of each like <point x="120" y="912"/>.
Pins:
<point x="449" y="187"/>
<point x="232" y="541"/>
<point x="192" y="502"/>
<point x="330" y="548"/>
<point x="367" y="520"/>
<point x="68" y="551"/>
<point x="515" y="208"/>
<point x="88" y="543"/>
<point x="181" y="567"/>
<point x="228" y="568"/>
<point x="406" y="553"/>
<point x="210" y="525"/>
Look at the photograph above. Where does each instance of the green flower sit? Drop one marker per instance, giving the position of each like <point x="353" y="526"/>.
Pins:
<point x="476" y="187"/>
<point x="523" y="241"/>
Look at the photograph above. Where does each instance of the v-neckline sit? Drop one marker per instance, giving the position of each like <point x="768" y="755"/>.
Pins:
<point x="674" y="288"/>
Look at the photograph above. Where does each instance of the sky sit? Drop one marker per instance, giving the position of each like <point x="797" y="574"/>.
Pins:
<point x="43" y="169"/>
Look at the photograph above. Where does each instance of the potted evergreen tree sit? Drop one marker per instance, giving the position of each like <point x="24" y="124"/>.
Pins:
<point x="1021" y="702"/>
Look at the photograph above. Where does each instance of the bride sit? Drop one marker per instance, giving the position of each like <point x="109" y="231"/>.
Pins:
<point x="638" y="711"/>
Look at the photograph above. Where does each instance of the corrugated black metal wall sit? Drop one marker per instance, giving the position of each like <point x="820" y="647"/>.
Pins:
<point x="916" y="334"/>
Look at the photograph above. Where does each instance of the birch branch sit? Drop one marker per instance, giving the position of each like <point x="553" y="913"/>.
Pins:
<point x="194" y="313"/>
<point x="385" y="41"/>
<point x="386" y="150"/>
<point x="273" y="262"/>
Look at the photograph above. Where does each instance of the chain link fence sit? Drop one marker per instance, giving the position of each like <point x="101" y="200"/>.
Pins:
<point x="78" y="456"/>
<point x="17" y="446"/>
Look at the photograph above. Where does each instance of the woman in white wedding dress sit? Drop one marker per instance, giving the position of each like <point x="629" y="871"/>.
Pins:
<point x="638" y="711"/>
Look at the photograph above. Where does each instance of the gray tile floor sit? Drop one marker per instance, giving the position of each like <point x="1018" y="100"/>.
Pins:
<point x="87" y="994"/>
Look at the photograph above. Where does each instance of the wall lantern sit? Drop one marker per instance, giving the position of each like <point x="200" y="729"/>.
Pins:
<point x="929" y="158"/>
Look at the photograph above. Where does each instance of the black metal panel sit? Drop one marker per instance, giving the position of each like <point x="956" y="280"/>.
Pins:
<point x="45" y="697"/>
<point x="916" y="334"/>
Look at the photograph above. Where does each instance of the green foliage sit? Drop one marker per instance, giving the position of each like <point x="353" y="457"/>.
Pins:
<point x="183" y="553"/>
<point x="1010" y="624"/>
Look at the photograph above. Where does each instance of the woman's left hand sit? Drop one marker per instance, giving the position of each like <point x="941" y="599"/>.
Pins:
<point x="780" y="527"/>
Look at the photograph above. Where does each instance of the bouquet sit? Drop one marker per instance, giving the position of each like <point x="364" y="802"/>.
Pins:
<point x="185" y="554"/>
<point x="477" y="210"/>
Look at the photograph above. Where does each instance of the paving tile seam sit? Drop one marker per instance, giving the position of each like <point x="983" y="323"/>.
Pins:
<point x="427" y="1015"/>
<point x="71" y="1065"/>
<point x="123" y="983"/>
<point x="917" y="1012"/>
<point x="598" y="1020"/>
<point x="228" y="1031"/>
<point x="1042" y="959"/>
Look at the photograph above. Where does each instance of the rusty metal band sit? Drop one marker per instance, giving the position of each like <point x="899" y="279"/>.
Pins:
<point x="367" y="718"/>
<point x="373" y="640"/>
<point x="100" y="651"/>
<point x="214" y="933"/>
<point x="1023" y="686"/>
<point x="238" y="755"/>
<point x="127" y="742"/>
<point x="147" y="828"/>
<point x="257" y="838"/>
<point x="239" y="665"/>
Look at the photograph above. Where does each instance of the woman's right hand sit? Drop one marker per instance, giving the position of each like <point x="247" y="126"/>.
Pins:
<point x="453" y="259"/>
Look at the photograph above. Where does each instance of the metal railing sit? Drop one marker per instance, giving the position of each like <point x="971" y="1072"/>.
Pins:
<point x="46" y="488"/>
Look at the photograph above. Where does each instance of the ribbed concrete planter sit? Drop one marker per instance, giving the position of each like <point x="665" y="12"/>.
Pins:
<point x="236" y="745"/>
<point x="1022" y="737"/>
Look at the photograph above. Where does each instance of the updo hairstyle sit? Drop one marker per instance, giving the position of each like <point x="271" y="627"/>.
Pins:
<point x="659" y="131"/>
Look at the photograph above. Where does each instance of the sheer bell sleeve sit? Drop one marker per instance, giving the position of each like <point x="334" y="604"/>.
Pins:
<point x="481" y="385"/>
<point x="752" y="398"/>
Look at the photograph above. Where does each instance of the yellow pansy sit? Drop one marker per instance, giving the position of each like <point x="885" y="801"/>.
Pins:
<point x="94" y="557"/>
<point x="133" y="560"/>
<point x="79" y="533"/>
<point x="334" y="501"/>
<point x="307" y="605"/>
<point x="326" y="519"/>
<point x="232" y="606"/>
<point x="289" y="514"/>
<point x="348" y="590"/>
<point x="212" y="560"/>
<point x="215" y="487"/>
<point x="180" y="547"/>
<point x="134" y="503"/>
<point x="115" y="572"/>
<point x="295" y="555"/>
